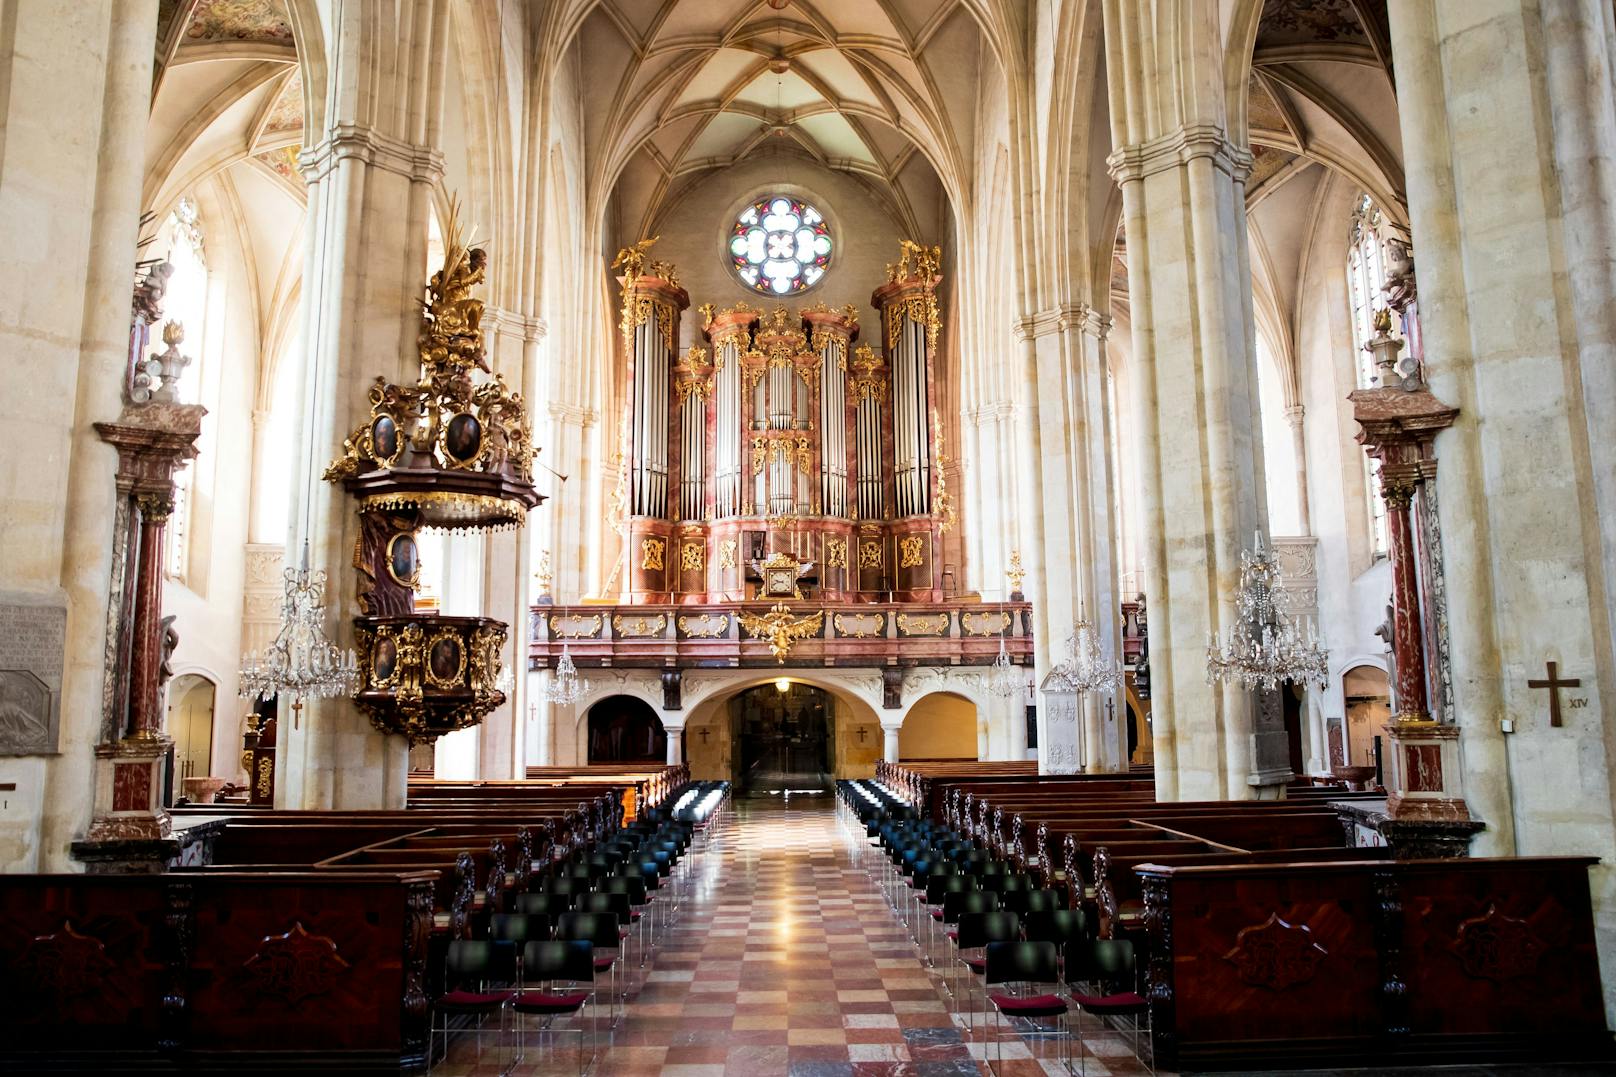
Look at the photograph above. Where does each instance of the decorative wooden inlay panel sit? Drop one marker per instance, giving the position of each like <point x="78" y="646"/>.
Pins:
<point x="639" y="626"/>
<point x="576" y="626"/>
<point x="923" y="624"/>
<point x="1276" y="954"/>
<point x="66" y="965"/>
<point x="704" y="625"/>
<point x="295" y="966"/>
<point x="985" y="624"/>
<point x="860" y="625"/>
<point x="1497" y="947"/>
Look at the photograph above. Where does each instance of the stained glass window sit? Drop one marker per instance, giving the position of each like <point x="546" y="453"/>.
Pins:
<point x="780" y="246"/>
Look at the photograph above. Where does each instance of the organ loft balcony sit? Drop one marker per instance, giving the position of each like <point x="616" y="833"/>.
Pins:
<point x="785" y="632"/>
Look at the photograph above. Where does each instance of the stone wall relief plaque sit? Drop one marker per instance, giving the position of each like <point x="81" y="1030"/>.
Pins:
<point x="33" y="637"/>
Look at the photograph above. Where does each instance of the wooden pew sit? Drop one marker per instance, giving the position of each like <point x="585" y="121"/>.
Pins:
<point x="1373" y="963"/>
<point x="214" y="972"/>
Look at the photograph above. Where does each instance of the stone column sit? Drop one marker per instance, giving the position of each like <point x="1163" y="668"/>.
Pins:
<point x="1192" y="374"/>
<point x="1072" y="560"/>
<point x="676" y="748"/>
<point x="75" y="97"/>
<point x="371" y="174"/>
<point x="1294" y="416"/>
<point x="1522" y="345"/>
<point x="889" y="741"/>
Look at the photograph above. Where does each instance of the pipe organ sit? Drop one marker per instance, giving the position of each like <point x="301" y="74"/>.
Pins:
<point x="781" y="437"/>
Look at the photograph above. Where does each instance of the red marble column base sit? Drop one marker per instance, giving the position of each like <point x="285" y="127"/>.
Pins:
<point x="129" y="791"/>
<point x="1422" y="779"/>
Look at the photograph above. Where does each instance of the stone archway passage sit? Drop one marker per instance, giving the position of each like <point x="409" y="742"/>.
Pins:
<point x="783" y="738"/>
<point x="624" y="729"/>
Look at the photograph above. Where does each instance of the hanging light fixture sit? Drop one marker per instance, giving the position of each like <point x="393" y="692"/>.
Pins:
<point x="1265" y="649"/>
<point x="1086" y="667"/>
<point x="1005" y="678"/>
<point x="565" y="684"/>
<point x="302" y="661"/>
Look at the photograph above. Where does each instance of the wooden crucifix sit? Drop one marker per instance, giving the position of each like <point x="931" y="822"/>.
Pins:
<point x="1553" y="683"/>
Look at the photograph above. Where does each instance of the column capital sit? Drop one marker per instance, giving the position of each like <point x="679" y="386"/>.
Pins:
<point x="528" y="327"/>
<point x="1176" y="149"/>
<point x="572" y="414"/>
<point x="1059" y="319"/>
<point x="347" y="140"/>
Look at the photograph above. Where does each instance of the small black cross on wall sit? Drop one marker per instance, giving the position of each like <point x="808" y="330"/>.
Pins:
<point x="1553" y="683"/>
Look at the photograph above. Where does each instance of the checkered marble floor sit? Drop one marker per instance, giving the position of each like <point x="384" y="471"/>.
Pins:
<point x="788" y="961"/>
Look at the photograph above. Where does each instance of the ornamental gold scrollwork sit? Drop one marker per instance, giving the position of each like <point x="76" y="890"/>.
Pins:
<point x="835" y="553"/>
<point x="922" y="624"/>
<point x="575" y="626"/>
<point x="805" y="456"/>
<point x="860" y="625"/>
<point x="945" y="501"/>
<point x="869" y="380"/>
<point x="692" y="556"/>
<point x="639" y="626"/>
<point x="911" y="551"/>
<point x="781" y="628"/>
<point x="486" y="663"/>
<point x="869" y="554"/>
<point x="652" y="553"/>
<point x="704" y="625"/>
<point x="760" y="454"/>
<point x="985" y="624"/>
<point x="728" y="553"/>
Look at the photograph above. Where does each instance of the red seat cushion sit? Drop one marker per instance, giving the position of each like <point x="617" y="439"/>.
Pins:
<point x="1123" y="1002"/>
<point x="1029" y="1005"/>
<point x="472" y="1001"/>
<point x="976" y="964"/>
<point x="954" y="935"/>
<point x="603" y="963"/>
<point x="937" y="914"/>
<point x="543" y="1002"/>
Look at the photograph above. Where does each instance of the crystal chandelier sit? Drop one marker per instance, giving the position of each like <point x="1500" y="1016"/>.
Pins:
<point x="302" y="661"/>
<point x="1085" y="668"/>
<point x="1265" y="649"/>
<point x="1005" y="678"/>
<point x="565" y="685"/>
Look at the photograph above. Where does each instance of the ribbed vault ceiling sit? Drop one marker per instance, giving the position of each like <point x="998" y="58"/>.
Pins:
<point x="885" y="90"/>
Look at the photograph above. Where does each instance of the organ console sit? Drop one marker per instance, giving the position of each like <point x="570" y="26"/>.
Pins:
<point x="782" y="438"/>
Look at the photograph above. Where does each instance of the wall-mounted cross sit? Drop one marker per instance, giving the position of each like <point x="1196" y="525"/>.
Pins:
<point x="1553" y="683"/>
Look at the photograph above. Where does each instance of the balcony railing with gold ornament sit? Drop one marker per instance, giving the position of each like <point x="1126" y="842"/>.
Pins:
<point x="802" y="633"/>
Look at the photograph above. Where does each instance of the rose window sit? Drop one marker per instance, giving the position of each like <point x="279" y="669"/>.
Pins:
<point x="780" y="246"/>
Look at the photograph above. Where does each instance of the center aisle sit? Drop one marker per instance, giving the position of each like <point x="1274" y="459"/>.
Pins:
<point x="787" y="960"/>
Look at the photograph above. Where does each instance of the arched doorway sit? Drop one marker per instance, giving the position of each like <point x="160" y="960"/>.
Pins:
<point x="939" y="726"/>
<point x="1367" y="693"/>
<point x="623" y="729"/>
<point x="190" y="723"/>
<point x="783" y="738"/>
